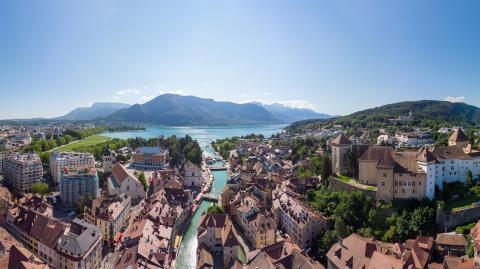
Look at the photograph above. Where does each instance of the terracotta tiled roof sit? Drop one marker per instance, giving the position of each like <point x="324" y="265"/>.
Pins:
<point x="458" y="136"/>
<point x="341" y="139"/>
<point x="21" y="258"/>
<point x="451" y="239"/>
<point x="120" y="173"/>
<point x="382" y="154"/>
<point x="459" y="263"/>
<point x="281" y="255"/>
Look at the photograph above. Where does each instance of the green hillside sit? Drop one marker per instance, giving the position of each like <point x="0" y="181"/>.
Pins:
<point x="425" y="113"/>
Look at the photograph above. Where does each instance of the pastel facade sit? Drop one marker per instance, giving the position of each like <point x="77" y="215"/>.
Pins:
<point x="151" y="157"/>
<point x="259" y="228"/>
<point x="69" y="160"/>
<point x="302" y="223"/>
<point x="78" y="184"/>
<point x="59" y="245"/>
<point x="111" y="216"/>
<point x="216" y="234"/>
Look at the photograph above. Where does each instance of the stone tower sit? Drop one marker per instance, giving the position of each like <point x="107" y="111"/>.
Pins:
<point x="458" y="138"/>
<point x="340" y="147"/>
<point x="108" y="159"/>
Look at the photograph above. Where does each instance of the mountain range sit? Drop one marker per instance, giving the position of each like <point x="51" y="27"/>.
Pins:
<point x="97" y="110"/>
<point x="172" y="109"/>
<point x="290" y="114"/>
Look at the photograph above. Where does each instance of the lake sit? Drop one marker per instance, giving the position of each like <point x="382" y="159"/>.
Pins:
<point x="203" y="134"/>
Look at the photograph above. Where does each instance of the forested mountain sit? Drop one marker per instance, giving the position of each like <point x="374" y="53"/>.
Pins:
<point x="424" y="113"/>
<point x="172" y="109"/>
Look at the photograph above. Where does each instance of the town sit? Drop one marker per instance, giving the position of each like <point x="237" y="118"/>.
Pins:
<point x="323" y="197"/>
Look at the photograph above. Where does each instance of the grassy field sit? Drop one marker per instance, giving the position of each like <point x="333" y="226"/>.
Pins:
<point x="91" y="140"/>
<point x="352" y="181"/>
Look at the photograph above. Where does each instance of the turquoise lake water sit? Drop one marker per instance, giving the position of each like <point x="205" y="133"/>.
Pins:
<point x="187" y="255"/>
<point x="203" y="134"/>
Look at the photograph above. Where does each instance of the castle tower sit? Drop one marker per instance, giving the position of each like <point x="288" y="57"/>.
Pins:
<point x="340" y="147"/>
<point x="458" y="138"/>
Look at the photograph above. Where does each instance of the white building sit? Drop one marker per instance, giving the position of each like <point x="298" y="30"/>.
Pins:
<point x="192" y="175"/>
<point x="69" y="160"/>
<point x="448" y="164"/>
<point x="385" y="139"/>
<point x="413" y="139"/>
<point x="21" y="171"/>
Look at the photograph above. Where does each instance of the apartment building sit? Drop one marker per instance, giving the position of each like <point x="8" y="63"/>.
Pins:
<point x="80" y="247"/>
<point x="299" y="221"/>
<point x="60" y="245"/>
<point x="21" y="258"/>
<point x="70" y="160"/>
<point x="217" y="235"/>
<point x="258" y="227"/>
<point x="78" y="184"/>
<point x="110" y="215"/>
<point x="21" y="171"/>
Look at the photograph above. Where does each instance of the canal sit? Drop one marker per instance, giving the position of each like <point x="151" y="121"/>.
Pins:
<point x="187" y="252"/>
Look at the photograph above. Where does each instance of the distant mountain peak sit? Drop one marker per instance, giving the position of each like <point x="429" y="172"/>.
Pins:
<point x="291" y="114"/>
<point x="96" y="110"/>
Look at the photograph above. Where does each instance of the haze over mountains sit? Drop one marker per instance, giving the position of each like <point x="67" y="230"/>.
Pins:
<point x="172" y="109"/>
<point x="97" y="110"/>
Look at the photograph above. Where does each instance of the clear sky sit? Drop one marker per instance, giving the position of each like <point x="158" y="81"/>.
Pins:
<point x="334" y="56"/>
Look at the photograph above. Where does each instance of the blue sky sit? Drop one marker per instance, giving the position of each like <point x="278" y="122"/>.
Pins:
<point x="334" y="56"/>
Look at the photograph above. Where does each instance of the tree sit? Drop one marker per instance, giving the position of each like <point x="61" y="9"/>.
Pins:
<point x="469" y="178"/>
<point x="215" y="209"/>
<point x="121" y="158"/>
<point x="40" y="188"/>
<point x="326" y="171"/>
<point x="142" y="180"/>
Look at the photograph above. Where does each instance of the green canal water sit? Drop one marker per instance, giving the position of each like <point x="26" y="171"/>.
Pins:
<point x="187" y="253"/>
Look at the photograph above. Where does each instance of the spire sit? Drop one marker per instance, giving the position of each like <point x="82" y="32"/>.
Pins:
<point x="107" y="151"/>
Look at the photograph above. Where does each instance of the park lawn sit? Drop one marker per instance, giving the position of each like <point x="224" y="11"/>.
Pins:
<point x="88" y="141"/>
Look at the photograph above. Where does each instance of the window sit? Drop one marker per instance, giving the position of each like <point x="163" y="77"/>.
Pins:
<point x="384" y="174"/>
<point x="383" y="183"/>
